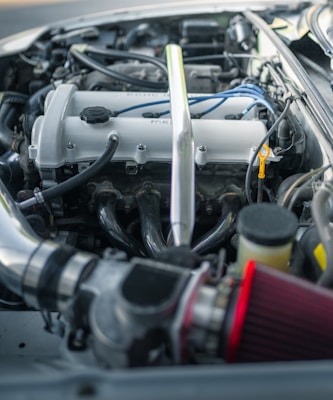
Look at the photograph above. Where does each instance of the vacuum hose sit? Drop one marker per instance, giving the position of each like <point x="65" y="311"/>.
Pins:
<point x="76" y="180"/>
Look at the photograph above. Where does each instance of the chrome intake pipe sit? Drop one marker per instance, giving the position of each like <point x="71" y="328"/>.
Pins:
<point x="182" y="207"/>
<point x="151" y="230"/>
<point x="44" y="273"/>
<point x="17" y="244"/>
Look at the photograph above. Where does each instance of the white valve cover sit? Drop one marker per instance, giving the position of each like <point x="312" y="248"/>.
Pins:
<point x="60" y="137"/>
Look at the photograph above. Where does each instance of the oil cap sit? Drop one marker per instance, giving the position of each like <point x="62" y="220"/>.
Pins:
<point x="95" y="115"/>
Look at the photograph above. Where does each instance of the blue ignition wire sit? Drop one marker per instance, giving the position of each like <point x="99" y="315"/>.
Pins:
<point x="253" y="87"/>
<point x="247" y="90"/>
<point x="221" y="95"/>
<point x="192" y="101"/>
<point x="142" y="105"/>
<point x="249" y="108"/>
<point x="217" y="105"/>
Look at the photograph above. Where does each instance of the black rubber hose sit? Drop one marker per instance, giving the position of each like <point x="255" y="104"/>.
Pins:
<point x="285" y="185"/>
<point x="95" y="65"/>
<point x="34" y="107"/>
<point x="301" y="194"/>
<point x="135" y="32"/>
<point x="8" y="114"/>
<point x="78" y="179"/>
<point x="208" y="57"/>
<point x="224" y="228"/>
<point x="106" y="213"/>
<point x="296" y="186"/>
<point x="10" y="170"/>
<point x="85" y="175"/>
<point x="233" y="73"/>
<point x="258" y="148"/>
<point x="126" y="55"/>
<point x="16" y="98"/>
<point x="217" y="57"/>
<point x="7" y="117"/>
<point x="151" y="230"/>
<point x="305" y="191"/>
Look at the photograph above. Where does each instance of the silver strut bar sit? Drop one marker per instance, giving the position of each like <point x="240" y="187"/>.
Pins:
<point x="182" y="208"/>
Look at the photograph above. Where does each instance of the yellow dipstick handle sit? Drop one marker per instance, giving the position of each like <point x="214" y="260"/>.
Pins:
<point x="262" y="159"/>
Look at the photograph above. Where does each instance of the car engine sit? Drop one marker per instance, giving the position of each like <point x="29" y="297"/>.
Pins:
<point x="165" y="197"/>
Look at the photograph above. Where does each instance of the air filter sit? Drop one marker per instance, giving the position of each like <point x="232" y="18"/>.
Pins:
<point x="274" y="316"/>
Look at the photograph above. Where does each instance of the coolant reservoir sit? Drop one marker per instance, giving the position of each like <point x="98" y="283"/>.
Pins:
<point x="266" y="235"/>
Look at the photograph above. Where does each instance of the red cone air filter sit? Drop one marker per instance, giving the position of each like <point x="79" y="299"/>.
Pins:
<point x="274" y="316"/>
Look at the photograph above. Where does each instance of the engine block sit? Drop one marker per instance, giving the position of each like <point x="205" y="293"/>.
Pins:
<point x="60" y="137"/>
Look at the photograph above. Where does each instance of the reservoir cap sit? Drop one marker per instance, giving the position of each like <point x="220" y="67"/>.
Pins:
<point x="267" y="224"/>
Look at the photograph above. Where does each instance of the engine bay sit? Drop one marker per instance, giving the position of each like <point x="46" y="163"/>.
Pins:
<point x="230" y="114"/>
<point x="166" y="195"/>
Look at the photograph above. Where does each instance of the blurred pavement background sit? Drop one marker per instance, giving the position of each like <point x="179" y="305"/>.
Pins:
<point x="18" y="15"/>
